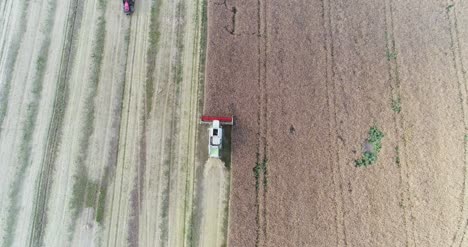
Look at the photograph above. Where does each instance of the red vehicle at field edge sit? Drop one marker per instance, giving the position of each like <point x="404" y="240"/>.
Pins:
<point x="128" y="6"/>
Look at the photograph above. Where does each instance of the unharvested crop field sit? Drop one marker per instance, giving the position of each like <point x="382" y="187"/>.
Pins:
<point x="99" y="137"/>
<point x="307" y="81"/>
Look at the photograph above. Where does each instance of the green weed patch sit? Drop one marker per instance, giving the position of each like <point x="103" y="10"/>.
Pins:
<point x="372" y="148"/>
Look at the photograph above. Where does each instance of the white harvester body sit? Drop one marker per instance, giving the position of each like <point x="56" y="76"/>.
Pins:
<point x="215" y="132"/>
<point x="216" y="139"/>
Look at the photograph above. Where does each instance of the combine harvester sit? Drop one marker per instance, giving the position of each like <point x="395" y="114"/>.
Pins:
<point x="128" y="6"/>
<point x="216" y="133"/>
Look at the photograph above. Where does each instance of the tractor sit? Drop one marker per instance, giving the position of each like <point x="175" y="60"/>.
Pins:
<point x="128" y="6"/>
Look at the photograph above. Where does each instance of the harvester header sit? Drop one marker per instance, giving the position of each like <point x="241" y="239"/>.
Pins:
<point x="223" y="120"/>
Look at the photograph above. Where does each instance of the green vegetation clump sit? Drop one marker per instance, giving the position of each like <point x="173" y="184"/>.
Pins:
<point x="449" y="7"/>
<point x="257" y="168"/>
<point x="154" y="37"/>
<point x="101" y="204"/>
<point x="396" y="105"/>
<point x="372" y="148"/>
<point x="397" y="158"/>
<point x="391" y="55"/>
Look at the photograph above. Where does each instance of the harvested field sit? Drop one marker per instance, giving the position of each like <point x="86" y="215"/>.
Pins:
<point x="99" y="123"/>
<point x="306" y="81"/>
<point x="213" y="202"/>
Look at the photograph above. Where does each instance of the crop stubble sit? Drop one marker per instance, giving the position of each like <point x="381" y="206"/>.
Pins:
<point x="79" y="159"/>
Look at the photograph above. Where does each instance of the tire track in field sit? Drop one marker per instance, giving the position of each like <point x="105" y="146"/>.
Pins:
<point x="460" y="72"/>
<point x="122" y="217"/>
<point x="139" y="190"/>
<point x="261" y="166"/>
<point x="138" y="193"/>
<point x="162" y="123"/>
<point x="197" y="68"/>
<point x="118" y="125"/>
<point x="191" y="232"/>
<point x="161" y="77"/>
<point x="170" y="127"/>
<point x="156" y="48"/>
<point x="395" y="89"/>
<point x="66" y="203"/>
<point x="33" y="87"/>
<point x="257" y="169"/>
<point x="8" y="62"/>
<point x="5" y="26"/>
<point x="167" y="155"/>
<point x="176" y="174"/>
<point x="172" y="166"/>
<point x="91" y="188"/>
<point x="340" y="217"/>
<point x="102" y="158"/>
<point x="401" y="150"/>
<point x="19" y="78"/>
<point x="265" y="122"/>
<point x="56" y="125"/>
<point x="123" y="133"/>
<point x="28" y="125"/>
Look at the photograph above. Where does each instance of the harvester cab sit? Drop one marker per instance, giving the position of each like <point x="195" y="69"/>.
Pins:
<point x="216" y="133"/>
<point x="128" y="6"/>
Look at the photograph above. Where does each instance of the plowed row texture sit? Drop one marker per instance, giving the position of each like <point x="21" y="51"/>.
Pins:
<point x="306" y="80"/>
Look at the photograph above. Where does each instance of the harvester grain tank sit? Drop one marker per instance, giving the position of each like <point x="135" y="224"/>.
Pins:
<point x="215" y="132"/>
